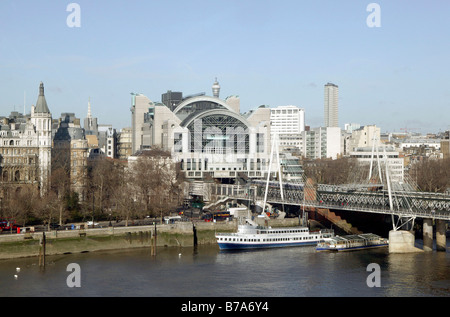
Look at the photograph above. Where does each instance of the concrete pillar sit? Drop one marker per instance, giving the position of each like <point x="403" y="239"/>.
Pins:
<point x="402" y="241"/>
<point x="427" y="234"/>
<point x="441" y="241"/>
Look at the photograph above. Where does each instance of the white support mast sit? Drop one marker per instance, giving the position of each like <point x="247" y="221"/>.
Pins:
<point x="274" y="148"/>
<point x="375" y="146"/>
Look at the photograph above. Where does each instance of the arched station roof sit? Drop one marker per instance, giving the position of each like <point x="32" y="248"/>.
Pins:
<point x="198" y="99"/>
<point x="214" y="112"/>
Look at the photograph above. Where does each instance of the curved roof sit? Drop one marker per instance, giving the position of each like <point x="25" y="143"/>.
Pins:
<point x="202" y="98"/>
<point x="186" y="122"/>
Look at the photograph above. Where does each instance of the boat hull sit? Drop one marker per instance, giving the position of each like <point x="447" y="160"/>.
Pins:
<point x="351" y="248"/>
<point x="251" y="246"/>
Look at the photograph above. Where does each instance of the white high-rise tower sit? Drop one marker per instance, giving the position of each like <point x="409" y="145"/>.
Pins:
<point x="331" y="108"/>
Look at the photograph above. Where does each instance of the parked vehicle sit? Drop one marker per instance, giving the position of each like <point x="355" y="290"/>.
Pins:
<point x="9" y="226"/>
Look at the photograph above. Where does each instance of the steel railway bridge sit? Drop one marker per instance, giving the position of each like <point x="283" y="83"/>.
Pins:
<point x="370" y="199"/>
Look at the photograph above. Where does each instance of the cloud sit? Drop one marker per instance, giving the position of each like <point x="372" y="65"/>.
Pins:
<point x="55" y="89"/>
<point x="311" y="85"/>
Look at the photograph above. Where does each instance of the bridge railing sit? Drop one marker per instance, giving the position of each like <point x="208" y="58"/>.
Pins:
<point x="427" y="205"/>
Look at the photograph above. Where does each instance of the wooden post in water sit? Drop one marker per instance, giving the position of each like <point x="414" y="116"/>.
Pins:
<point x="154" y="241"/>
<point x="42" y="251"/>
<point x="195" y="235"/>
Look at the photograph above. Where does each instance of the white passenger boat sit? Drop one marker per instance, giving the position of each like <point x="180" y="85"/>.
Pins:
<point x="252" y="236"/>
<point x="352" y="242"/>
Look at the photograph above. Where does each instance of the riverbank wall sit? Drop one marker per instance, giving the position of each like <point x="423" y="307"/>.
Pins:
<point x="180" y="234"/>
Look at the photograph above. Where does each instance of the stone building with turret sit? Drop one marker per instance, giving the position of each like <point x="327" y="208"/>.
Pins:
<point x="26" y="146"/>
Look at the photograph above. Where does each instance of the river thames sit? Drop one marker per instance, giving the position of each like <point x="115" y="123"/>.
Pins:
<point x="208" y="272"/>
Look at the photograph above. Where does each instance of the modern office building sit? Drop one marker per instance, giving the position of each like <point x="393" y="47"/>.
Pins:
<point x="320" y="143"/>
<point x="140" y="110"/>
<point x="331" y="105"/>
<point x="287" y="120"/>
<point x="287" y="123"/>
<point x="395" y="163"/>
<point x="171" y="99"/>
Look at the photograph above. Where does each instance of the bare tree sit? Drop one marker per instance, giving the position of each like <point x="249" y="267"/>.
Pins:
<point x="50" y="209"/>
<point x="21" y="204"/>
<point x="103" y="174"/>
<point x="122" y="195"/>
<point x="431" y="175"/>
<point x="154" y="177"/>
<point x="327" y="171"/>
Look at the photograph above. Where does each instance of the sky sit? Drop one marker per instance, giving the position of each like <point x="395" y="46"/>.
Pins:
<point x="267" y="52"/>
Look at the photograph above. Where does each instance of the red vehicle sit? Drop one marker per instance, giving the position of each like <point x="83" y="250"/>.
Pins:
<point x="8" y="226"/>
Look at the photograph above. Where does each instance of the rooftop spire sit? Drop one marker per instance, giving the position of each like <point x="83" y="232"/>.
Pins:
<point x="41" y="89"/>
<point x="89" y="108"/>
<point x="41" y="104"/>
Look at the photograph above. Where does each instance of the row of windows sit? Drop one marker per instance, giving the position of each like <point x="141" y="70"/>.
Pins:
<point x="309" y="238"/>
<point x="284" y="231"/>
<point x="284" y="111"/>
<point x="19" y="151"/>
<point x="17" y="160"/>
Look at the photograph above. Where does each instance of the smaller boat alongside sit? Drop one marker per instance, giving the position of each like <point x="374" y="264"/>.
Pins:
<point x="352" y="242"/>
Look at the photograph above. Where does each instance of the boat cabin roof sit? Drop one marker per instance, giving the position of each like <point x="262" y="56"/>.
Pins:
<point x="355" y="237"/>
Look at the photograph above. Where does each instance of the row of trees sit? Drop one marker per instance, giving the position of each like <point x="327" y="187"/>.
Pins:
<point x="431" y="175"/>
<point x="428" y="175"/>
<point x="151" y="186"/>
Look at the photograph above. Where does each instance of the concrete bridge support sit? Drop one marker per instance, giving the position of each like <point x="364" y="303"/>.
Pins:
<point x="427" y="234"/>
<point x="402" y="241"/>
<point x="441" y="241"/>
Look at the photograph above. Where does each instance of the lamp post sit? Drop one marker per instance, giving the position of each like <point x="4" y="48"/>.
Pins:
<point x="93" y="200"/>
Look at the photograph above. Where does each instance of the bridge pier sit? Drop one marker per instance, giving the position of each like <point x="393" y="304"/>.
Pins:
<point x="441" y="240"/>
<point x="427" y="234"/>
<point x="402" y="241"/>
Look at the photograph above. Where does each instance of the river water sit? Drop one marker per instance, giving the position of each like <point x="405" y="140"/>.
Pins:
<point x="208" y="272"/>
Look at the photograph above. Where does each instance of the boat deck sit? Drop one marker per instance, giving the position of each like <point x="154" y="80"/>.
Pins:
<point x="352" y="242"/>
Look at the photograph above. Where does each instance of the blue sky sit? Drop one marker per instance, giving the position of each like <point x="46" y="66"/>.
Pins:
<point x="268" y="52"/>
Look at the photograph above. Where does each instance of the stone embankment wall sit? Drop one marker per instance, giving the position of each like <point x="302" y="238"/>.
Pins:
<point x="112" y="238"/>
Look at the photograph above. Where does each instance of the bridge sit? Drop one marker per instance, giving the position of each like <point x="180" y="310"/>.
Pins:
<point x="403" y="205"/>
<point x="341" y="197"/>
<point x="377" y="193"/>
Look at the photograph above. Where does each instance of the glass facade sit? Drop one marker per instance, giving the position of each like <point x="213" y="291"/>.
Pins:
<point x="218" y="134"/>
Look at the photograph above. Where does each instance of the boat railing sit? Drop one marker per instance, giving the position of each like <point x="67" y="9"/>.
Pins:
<point x="226" y="234"/>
